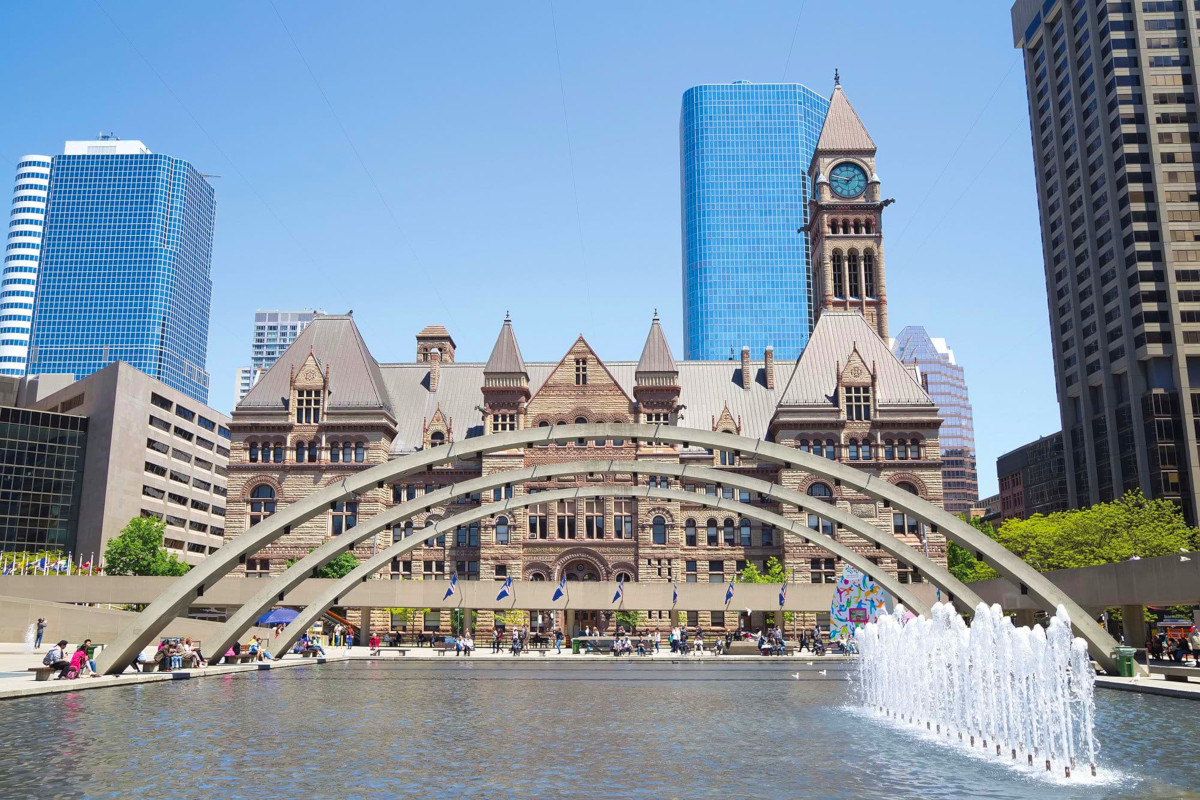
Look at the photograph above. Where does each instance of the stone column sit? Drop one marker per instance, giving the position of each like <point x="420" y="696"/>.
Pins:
<point x="1133" y="625"/>
<point x="364" y="627"/>
<point x="1024" y="618"/>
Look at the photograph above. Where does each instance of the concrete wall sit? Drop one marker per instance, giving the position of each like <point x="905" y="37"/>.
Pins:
<point x="76" y="623"/>
<point x="1164" y="581"/>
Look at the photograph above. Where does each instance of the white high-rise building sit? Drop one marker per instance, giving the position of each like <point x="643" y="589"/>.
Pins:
<point x="23" y="249"/>
<point x="274" y="331"/>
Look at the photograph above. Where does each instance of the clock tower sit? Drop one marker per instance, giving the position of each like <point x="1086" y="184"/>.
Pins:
<point x="845" y="217"/>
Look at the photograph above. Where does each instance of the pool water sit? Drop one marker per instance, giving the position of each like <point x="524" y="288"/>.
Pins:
<point x="571" y="730"/>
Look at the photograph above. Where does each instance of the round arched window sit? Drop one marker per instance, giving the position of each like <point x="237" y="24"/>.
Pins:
<point x="821" y="491"/>
<point x="501" y="530"/>
<point x="262" y="503"/>
<point x="658" y="530"/>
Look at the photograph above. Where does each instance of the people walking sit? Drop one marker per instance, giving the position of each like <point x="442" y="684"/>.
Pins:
<point x="558" y="640"/>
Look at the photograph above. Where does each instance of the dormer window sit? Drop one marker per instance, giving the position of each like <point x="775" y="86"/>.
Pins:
<point x="581" y="372"/>
<point x="858" y="402"/>
<point x="308" y="406"/>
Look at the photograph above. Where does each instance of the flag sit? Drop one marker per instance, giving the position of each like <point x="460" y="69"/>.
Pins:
<point x="453" y="586"/>
<point x="87" y="565"/>
<point x="674" y="592"/>
<point x="506" y="589"/>
<point x="729" y="592"/>
<point x="620" y="589"/>
<point x="782" y="594"/>
<point x="561" y="590"/>
<point x="40" y="565"/>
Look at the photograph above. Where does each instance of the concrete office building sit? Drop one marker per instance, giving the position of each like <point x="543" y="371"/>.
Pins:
<point x="151" y="451"/>
<point x="1033" y="479"/>
<point x="273" y="332"/>
<point x="22" y="252"/>
<point x="1113" y="120"/>
<point x="947" y="385"/>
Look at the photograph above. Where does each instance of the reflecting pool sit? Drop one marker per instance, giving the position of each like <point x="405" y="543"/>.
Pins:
<point x="558" y="729"/>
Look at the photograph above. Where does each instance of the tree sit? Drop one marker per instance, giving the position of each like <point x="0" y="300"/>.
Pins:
<point x="962" y="562"/>
<point x="630" y="619"/>
<point x="138" y="550"/>
<point x="339" y="567"/>
<point x="775" y="574"/>
<point x="1131" y="525"/>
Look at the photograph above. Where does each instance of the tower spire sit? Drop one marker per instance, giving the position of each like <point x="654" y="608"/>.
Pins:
<point x="837" y="80"/>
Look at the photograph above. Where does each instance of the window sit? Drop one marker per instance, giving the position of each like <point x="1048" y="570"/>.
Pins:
<point x="822" y="570"/>
<point x="501" y="530"/>
<point x="852" y="450"/>
<point x="744" y="533"/>
<point x="258" y="568"/>
<point x="565" y="519"/>
<point x="561" y="442"/>
<point x="869" y="271"/>
<point x="308" y="406"/>
<point x="689" y="533"/>
<point x="436" y="541"/>
<point x="864" y="450"/>
<point x="727" y="529"/>
<point x="689" y="572"/>
<point x="581" y="442"/>
<point x="504" y="422"/>
<point x="906" y="573"/>
<point x="658" y="530"/>
<point x="360" y="452"/>
<point x="858" y="402"/>
<point x="821" y="491"/>
<point x="347" y="452"/>
<point x="253" y="452"/>
<point x="852" y="273"/>
<point x="537" y="523"/>
<point x="623" y="519"/>
<point x="904" y="525"/>
<point x="581" y="372"/>
<point x="502" y="492"/>
<point x="839" y="279"/>
<point x="820" y="525"/>
<point x="278" y="453"/>
<point x="593" y="519"/>
<point x="889" y="450"/>
<point x="711" y="531"/>
<point x="343" y="517"/>
<point x="301" y="452"/>
<point x="262" y="503"/>
<point x="768" y="535"/>
<point x="335" y="453"/>
<point x="716" y="571"/>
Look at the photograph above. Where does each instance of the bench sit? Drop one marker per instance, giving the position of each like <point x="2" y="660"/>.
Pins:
<point x="442" y="649"/>
<point x="241" y="658"/>
<point x="1175" y="673"/>
<point x="42" y="673"/>
<point x="308" y="653"/>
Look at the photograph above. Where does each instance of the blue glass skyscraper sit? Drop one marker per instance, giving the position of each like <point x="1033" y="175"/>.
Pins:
<point x="125" y="266"/>
<point x="745" y="150"/>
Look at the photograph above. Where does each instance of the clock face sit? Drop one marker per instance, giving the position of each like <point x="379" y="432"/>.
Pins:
<point x="847" y="179"/>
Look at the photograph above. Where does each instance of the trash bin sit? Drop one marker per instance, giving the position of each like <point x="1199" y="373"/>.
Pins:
<point x="574" y="645"/>
<point x="1125" y="662"/>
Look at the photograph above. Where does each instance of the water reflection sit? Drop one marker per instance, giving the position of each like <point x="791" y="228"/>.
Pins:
<point x="376" y="730"/>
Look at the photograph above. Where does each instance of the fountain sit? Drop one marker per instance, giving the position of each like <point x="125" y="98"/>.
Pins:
<point x="1027" y="691"/>
<point x="30" y="638"/>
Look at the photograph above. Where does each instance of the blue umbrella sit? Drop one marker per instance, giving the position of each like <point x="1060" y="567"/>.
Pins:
<point x="278" y="616"/>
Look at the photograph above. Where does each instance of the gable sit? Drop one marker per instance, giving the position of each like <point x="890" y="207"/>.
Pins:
<point x="562" y="396"/>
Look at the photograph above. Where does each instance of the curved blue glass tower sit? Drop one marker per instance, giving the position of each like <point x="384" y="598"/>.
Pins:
<point x="124" y="273"/>
<point x="744" y="152"/>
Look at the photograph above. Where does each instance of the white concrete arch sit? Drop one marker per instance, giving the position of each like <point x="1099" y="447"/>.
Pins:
<point x="331" y="594"/>
<point x="185" y="591"/>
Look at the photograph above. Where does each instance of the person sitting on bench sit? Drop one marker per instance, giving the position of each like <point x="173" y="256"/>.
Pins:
<point x="56" y="658"/>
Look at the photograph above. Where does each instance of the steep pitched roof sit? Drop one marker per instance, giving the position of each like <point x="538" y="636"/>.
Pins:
<point x="506" y="355"/>
<point x="656" y="355"/>
<point x="836" y="335"/>
<point x="843" y="130"/>
<point x="354" y="377"/>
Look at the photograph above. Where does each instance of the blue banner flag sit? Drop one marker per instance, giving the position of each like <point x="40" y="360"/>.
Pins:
<point x="453" y="586"/>
<point x="729" y="592"/>
<point x="674" y="592"/>
<point x="782" y="594"/>
<point x="506" y="589"/>
<point x="620" y="589"/>
<point x="561" y="590"/>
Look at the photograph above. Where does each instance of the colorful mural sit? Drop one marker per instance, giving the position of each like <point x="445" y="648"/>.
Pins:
<point x="857" y="600"/>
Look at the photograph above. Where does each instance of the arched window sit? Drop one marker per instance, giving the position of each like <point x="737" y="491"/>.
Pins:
<point x="408" y="529"/>
<point x="804" y="446"/>
<point x="360" y="452"/>
<point x="542" y="424"/>
<point x="580" y="442"/>
<point x="852" y="273"/>
<point x="618" y="442"/>
<point x="839" y="275"/>
<point x="658" y="530"/>
<point x="727" y="530"/>
<point x="744" y="532"/>
<point x="537" y="576"/>
<point x="903" y="524"/>
<point x="437" y="541"/>
<point x="624" y="577"/>
<point x="869" y="272"/>
<point x="689" y="533"/>
<point x="852" y="450"/>
<point x="501" y="530"/>
<point x="818" y="448"/>
<point x="833" y="226"/>
<point x="821" y="491"/>
<point x="561" y="442"/>
<point x="901" y="449"/>
<point x="262" y="503"/>
<point x="301" y="451"/>
<point x="830" y="449"/>
<point x="335" y="452"/>
<point x="711" y="531"/>
<point x="347" y="452"/>
<point x="278" y="452"/>
<point x="437" y="439"/>
<point x="914" y="450"/>
<point x="253" y="452"/>
<point x="312" y="452"/>
<point x="868" y="226"/>
<point x="857" y="226"/>
<point x="865" y="450"/>
<point x="889" y="450"/>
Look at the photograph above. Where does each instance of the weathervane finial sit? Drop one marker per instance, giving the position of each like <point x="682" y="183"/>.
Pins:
<point x="837" y="79"/>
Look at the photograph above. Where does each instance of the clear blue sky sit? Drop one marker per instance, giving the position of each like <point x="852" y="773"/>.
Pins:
<point x="467" y="206"/>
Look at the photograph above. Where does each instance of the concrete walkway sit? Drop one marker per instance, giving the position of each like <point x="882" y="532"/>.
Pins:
<point x="1155" y="684"/>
